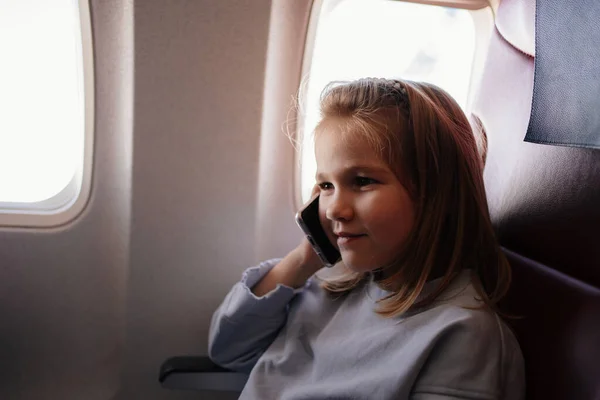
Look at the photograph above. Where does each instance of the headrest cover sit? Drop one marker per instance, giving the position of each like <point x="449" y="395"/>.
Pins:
<point x="566" y="89"/>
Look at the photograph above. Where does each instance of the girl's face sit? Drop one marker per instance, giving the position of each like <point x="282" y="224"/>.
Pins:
<point x="365" y="210"/>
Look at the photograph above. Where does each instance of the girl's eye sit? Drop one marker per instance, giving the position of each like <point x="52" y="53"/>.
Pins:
<point x="363" y="181"/>
<point x="325" y="186"/>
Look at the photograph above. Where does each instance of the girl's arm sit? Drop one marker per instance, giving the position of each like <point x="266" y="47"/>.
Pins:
<point x="255" y="310"/>
<point x="293" y="271"/>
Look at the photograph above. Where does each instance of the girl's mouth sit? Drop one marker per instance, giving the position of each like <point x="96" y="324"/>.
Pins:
<point x="344" y="238"/>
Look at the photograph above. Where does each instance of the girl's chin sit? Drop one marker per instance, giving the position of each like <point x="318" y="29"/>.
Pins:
<point x="357" y="265"/>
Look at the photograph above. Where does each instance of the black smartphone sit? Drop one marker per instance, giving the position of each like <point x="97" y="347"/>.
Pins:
<point x="308" y="220"/>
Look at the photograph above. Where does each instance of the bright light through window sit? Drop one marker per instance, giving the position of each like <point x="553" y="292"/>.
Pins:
<point x="41" y="99"/>
<point x="387" y="39"/>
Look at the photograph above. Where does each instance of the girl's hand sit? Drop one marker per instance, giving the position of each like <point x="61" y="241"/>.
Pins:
<point x="294" y="269"/>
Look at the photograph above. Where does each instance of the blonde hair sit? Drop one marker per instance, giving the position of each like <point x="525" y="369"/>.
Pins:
<point x="426" y="139"/>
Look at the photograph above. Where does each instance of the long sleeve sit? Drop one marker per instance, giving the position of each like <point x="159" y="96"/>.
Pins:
<point x="245" y="325"/>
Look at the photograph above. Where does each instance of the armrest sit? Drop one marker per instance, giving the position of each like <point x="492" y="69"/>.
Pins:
<point x="199" y="373"/>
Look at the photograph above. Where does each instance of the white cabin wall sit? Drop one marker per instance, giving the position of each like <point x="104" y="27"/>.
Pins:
<point x="63" y="290"/>
<point x="199" y="82"/>
<point x="192" y="182"/>
<point x="278" y="194"/>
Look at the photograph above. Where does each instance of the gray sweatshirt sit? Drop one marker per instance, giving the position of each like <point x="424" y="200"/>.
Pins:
<point x="303" y="344"/>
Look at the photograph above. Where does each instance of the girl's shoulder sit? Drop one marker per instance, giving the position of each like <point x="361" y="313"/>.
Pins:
<point x="470" y="348"/>
<point x="459" y="311"/>
<point x="460" y="322"/>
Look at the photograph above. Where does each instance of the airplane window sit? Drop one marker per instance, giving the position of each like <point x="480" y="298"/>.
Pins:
<point x="390" y="39"/>
<point x="42" y="107"/>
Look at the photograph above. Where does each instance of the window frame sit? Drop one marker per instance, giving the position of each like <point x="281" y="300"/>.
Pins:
<point x="483" y="14"/>
<point x="70" y="202"/>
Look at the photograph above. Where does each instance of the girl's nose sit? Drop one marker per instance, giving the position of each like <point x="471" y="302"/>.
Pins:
<point x="338" y="209"/>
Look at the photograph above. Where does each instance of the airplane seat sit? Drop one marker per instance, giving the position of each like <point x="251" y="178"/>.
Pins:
<point x="558" y="327"/>
<point x="544" y="198"/>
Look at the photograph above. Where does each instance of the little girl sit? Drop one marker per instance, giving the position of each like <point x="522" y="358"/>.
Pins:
<point x="410" y="312"/>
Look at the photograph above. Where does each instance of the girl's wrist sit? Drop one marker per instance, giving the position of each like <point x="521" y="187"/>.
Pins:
<point x="305" y="263"/>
